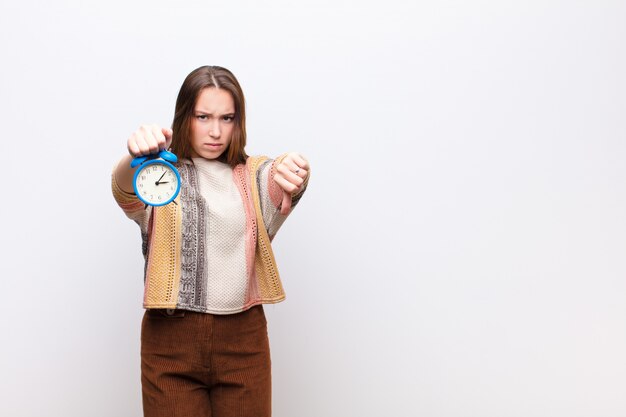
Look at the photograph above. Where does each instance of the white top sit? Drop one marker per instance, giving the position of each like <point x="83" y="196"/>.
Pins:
<point x="226" y="236"/>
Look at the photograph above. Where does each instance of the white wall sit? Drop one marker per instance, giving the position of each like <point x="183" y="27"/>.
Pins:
<point x="461" y="248"/>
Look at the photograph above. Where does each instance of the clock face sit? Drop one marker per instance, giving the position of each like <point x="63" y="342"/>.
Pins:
<point x="156" y="183"/>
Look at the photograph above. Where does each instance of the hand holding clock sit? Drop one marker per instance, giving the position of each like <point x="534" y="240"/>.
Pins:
<point x="149" y="139"/>
<point x="150" y="164"/>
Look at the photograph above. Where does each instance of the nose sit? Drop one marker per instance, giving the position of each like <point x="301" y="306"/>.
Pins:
<point x="214" y="129"/>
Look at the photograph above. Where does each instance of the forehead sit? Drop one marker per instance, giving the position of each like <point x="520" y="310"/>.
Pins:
<point x="215" y="101"/>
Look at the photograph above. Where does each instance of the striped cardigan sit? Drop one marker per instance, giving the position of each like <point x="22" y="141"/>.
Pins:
<point x="173" y="239"/>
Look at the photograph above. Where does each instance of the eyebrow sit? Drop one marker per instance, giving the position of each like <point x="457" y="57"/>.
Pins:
<point x="211" y="114"/>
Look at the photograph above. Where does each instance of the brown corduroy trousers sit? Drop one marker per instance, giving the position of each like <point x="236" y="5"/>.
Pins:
<point x="201" y="365"/>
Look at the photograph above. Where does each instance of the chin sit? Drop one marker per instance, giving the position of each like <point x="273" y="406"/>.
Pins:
<point x="203" y="153"/>
<point x="212" y="156"/>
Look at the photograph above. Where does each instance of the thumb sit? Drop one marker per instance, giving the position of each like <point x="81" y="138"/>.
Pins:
<point x="167" y="132"/>
<point x="285" y="206"/>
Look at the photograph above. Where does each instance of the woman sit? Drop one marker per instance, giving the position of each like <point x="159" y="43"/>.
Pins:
<point x="209" y="263"/>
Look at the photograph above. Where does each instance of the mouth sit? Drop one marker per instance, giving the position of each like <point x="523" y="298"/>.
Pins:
<point x="212" y="145"/>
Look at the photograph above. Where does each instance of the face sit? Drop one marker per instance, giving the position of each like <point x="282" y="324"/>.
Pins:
<point x="212" y="123"/>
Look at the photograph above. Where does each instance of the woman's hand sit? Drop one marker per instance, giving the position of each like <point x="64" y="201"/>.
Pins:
<point x="149" y="139"/>
<point x="146" y="140"/>
<point x="291" y="174"/>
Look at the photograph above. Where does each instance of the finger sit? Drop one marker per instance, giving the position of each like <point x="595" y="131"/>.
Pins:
<point x="133" y="148"/>
<point x="285" y="185"/>
<point x="285" y="206"/>
<point x="300" y="161"/>
<point x="144" y="148"/>
<point x="291" y="164"/>
<point x="159" y="136"/>
<point x="288" y="170"/>
<point x="297" y="170"/>
<point x="168" y="133"/>
<point x="298" y="164"/>
<point x="150" y="140"/>
<point x="301" y="172"/>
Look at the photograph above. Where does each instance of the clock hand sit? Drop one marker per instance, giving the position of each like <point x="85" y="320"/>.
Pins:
<point x="157" y="182"/>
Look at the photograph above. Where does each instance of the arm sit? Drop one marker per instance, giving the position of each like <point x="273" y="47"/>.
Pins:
<point x="146" y="140"/>
<point x="271" y="194"/>
<point x="124" y="174"/>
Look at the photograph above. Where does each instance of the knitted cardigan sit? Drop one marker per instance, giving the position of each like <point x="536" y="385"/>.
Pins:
<point x="174" y="249"/>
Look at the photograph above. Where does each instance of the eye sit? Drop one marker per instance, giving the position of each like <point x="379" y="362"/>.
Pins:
<point x="201" y="117"/>
<point x="229" y="118"/>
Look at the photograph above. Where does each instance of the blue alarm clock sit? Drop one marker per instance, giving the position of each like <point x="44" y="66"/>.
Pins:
<point x="156" y="181"/>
